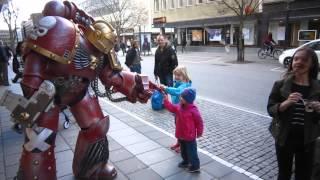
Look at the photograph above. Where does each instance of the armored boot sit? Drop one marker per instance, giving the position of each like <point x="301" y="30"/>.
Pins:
<point x="92" y="153"/>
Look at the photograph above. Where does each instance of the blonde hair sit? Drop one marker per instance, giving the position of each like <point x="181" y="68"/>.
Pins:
<point x="183" y="71"/>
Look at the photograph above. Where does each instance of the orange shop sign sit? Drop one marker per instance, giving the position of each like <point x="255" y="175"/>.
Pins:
<point x="159" y="20"/>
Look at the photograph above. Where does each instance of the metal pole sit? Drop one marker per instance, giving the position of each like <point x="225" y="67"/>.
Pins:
<point x="140" y="37"/>
<point x="287" y="36"/>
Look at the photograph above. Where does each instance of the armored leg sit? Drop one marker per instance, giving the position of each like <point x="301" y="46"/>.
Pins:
<point x="38" y="159"/>
<point x="91" y="152"/>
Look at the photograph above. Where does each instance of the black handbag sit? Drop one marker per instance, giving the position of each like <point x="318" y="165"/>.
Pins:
<point x="274" y="128"/>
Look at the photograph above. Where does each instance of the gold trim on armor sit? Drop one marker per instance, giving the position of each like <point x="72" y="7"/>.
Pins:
<point x="54" y="56"/>
<point x="48" y="53"/>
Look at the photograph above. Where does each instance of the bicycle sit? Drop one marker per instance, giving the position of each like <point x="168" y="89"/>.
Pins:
<point x="264" y="52"/>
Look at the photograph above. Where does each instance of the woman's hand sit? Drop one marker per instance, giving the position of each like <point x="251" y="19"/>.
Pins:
<point x="315" y="106"/>
<point x="292" y="99"/>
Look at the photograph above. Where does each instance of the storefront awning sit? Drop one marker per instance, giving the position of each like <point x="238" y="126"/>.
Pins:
<point x="205" y="22"/>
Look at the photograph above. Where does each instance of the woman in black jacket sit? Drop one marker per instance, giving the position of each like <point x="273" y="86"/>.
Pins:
<point x="295" y="108"/>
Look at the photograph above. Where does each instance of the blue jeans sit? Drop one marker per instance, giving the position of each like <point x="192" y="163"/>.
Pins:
<point x="166" y="79"/>
<point x="136" y="68"/>
<point x="189" y="152"/>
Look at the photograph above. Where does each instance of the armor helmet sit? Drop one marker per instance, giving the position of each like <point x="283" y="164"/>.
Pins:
<point x="101" y="35"/>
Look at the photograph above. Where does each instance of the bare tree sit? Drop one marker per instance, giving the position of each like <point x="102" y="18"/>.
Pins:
<point x="122" y="14"/>
<point x="242" y="9"/>
<point x="10" y="16"/>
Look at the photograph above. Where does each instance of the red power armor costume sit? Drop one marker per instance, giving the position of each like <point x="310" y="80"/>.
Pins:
<point x="71" y="50"/>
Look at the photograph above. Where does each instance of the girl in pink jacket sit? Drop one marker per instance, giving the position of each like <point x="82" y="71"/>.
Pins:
<point x="189" y="126"/>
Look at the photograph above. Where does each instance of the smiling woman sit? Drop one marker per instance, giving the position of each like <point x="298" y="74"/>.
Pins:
<point x="295" y="108"/>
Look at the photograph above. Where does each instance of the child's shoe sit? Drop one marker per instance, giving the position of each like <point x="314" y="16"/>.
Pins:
<point x="183" y="164"/>
<point x="173" y="147"/>
<point x="192" y="169"/>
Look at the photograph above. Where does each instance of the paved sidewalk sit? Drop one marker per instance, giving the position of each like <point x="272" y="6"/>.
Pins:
<point x="137" y="149"/>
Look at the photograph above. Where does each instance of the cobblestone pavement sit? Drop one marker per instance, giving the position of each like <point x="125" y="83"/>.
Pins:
<point x="236" y="136"/>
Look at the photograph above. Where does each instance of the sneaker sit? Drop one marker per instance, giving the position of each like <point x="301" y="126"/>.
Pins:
<point x="173" y="147"/>
<point x="17" y="128"/>
<point x="194" y="169"/>
<point x="183" y="165"/>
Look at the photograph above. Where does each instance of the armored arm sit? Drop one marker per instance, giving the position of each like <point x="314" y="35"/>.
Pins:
<point x="67" y="10"/>
<point x="132" y="85"/>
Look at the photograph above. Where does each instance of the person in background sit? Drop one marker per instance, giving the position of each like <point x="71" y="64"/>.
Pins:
<point x="133" y="58"/>
<point x="17" y="63"/>
<point x="5" y="55"/>
<point x="181" y="82"/>
<point x="294" y="105"/>
<point x="165" y="62"/>
<point x="189" y="127"/>
<point x="269" y="42"/>
<point x="123" y="47"/>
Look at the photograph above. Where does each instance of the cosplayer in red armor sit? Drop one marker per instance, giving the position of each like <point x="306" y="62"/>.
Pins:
<point x="71" y="50"/>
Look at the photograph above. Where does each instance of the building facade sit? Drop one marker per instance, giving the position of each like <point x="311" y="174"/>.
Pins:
<point x="204" y="22"/>
<point x="296" y="21"/>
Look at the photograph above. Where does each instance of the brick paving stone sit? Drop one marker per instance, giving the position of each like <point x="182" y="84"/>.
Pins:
<point x="120" y="155"/>
<point x="168" y="167"/>
<point x="130" y="165"/>
<point x="155" y="156"/>
<point x="191" y="176"/>
<point x="142" y="174"/>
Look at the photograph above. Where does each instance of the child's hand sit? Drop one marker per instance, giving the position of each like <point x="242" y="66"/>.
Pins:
<point x="165" y="96"/>
<point x="162" y="87"/>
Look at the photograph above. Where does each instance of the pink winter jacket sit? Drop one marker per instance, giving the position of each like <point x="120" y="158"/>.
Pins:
<point x="189" y="124"/>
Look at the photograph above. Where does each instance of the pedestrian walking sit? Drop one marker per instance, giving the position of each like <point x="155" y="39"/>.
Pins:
<point x="184" y="44"/>
<point x="165" y="62"/>
<point x="17" y="63"/>
<point x="133" y="58"/>
<point x="5" y="55"/>
<point x="175" y="44"/>
<point x="227" y="42"/>
<point x="189" y="127"/>
<point x="295" y="108"/>
<point x="181" y="81"/>
<point x="123" y="47"/>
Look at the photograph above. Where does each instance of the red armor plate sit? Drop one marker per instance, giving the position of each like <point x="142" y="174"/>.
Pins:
<point x="59" y="42"/>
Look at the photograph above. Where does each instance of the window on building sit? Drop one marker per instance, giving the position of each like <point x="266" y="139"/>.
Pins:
<point x="172" y="4"/>
<point x="189" y="2"/>
<point x="164" y="4"/>
<point x="200" y="1"/>
<point x="156" y="5"/>
<point x="180" y="3"/>
<point x="210" y="0"/>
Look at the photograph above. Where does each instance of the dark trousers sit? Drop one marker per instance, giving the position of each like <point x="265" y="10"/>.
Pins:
<point x="303" y="155"/>
<point x="189" y="152"/>
<point x="166" y="79"/>
<point x="4" y="73"/>
<point x="136" y="68"/>
<point x="17" y="77"/>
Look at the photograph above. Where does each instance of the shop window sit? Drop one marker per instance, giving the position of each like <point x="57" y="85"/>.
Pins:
<point x="164" y="4"/>
<point x="180" y="3"/>
<point x="189" y="2"/>
<point x="172" y="4"/>
<point x="156" y="5"/>
<point x="199" y="1"/>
